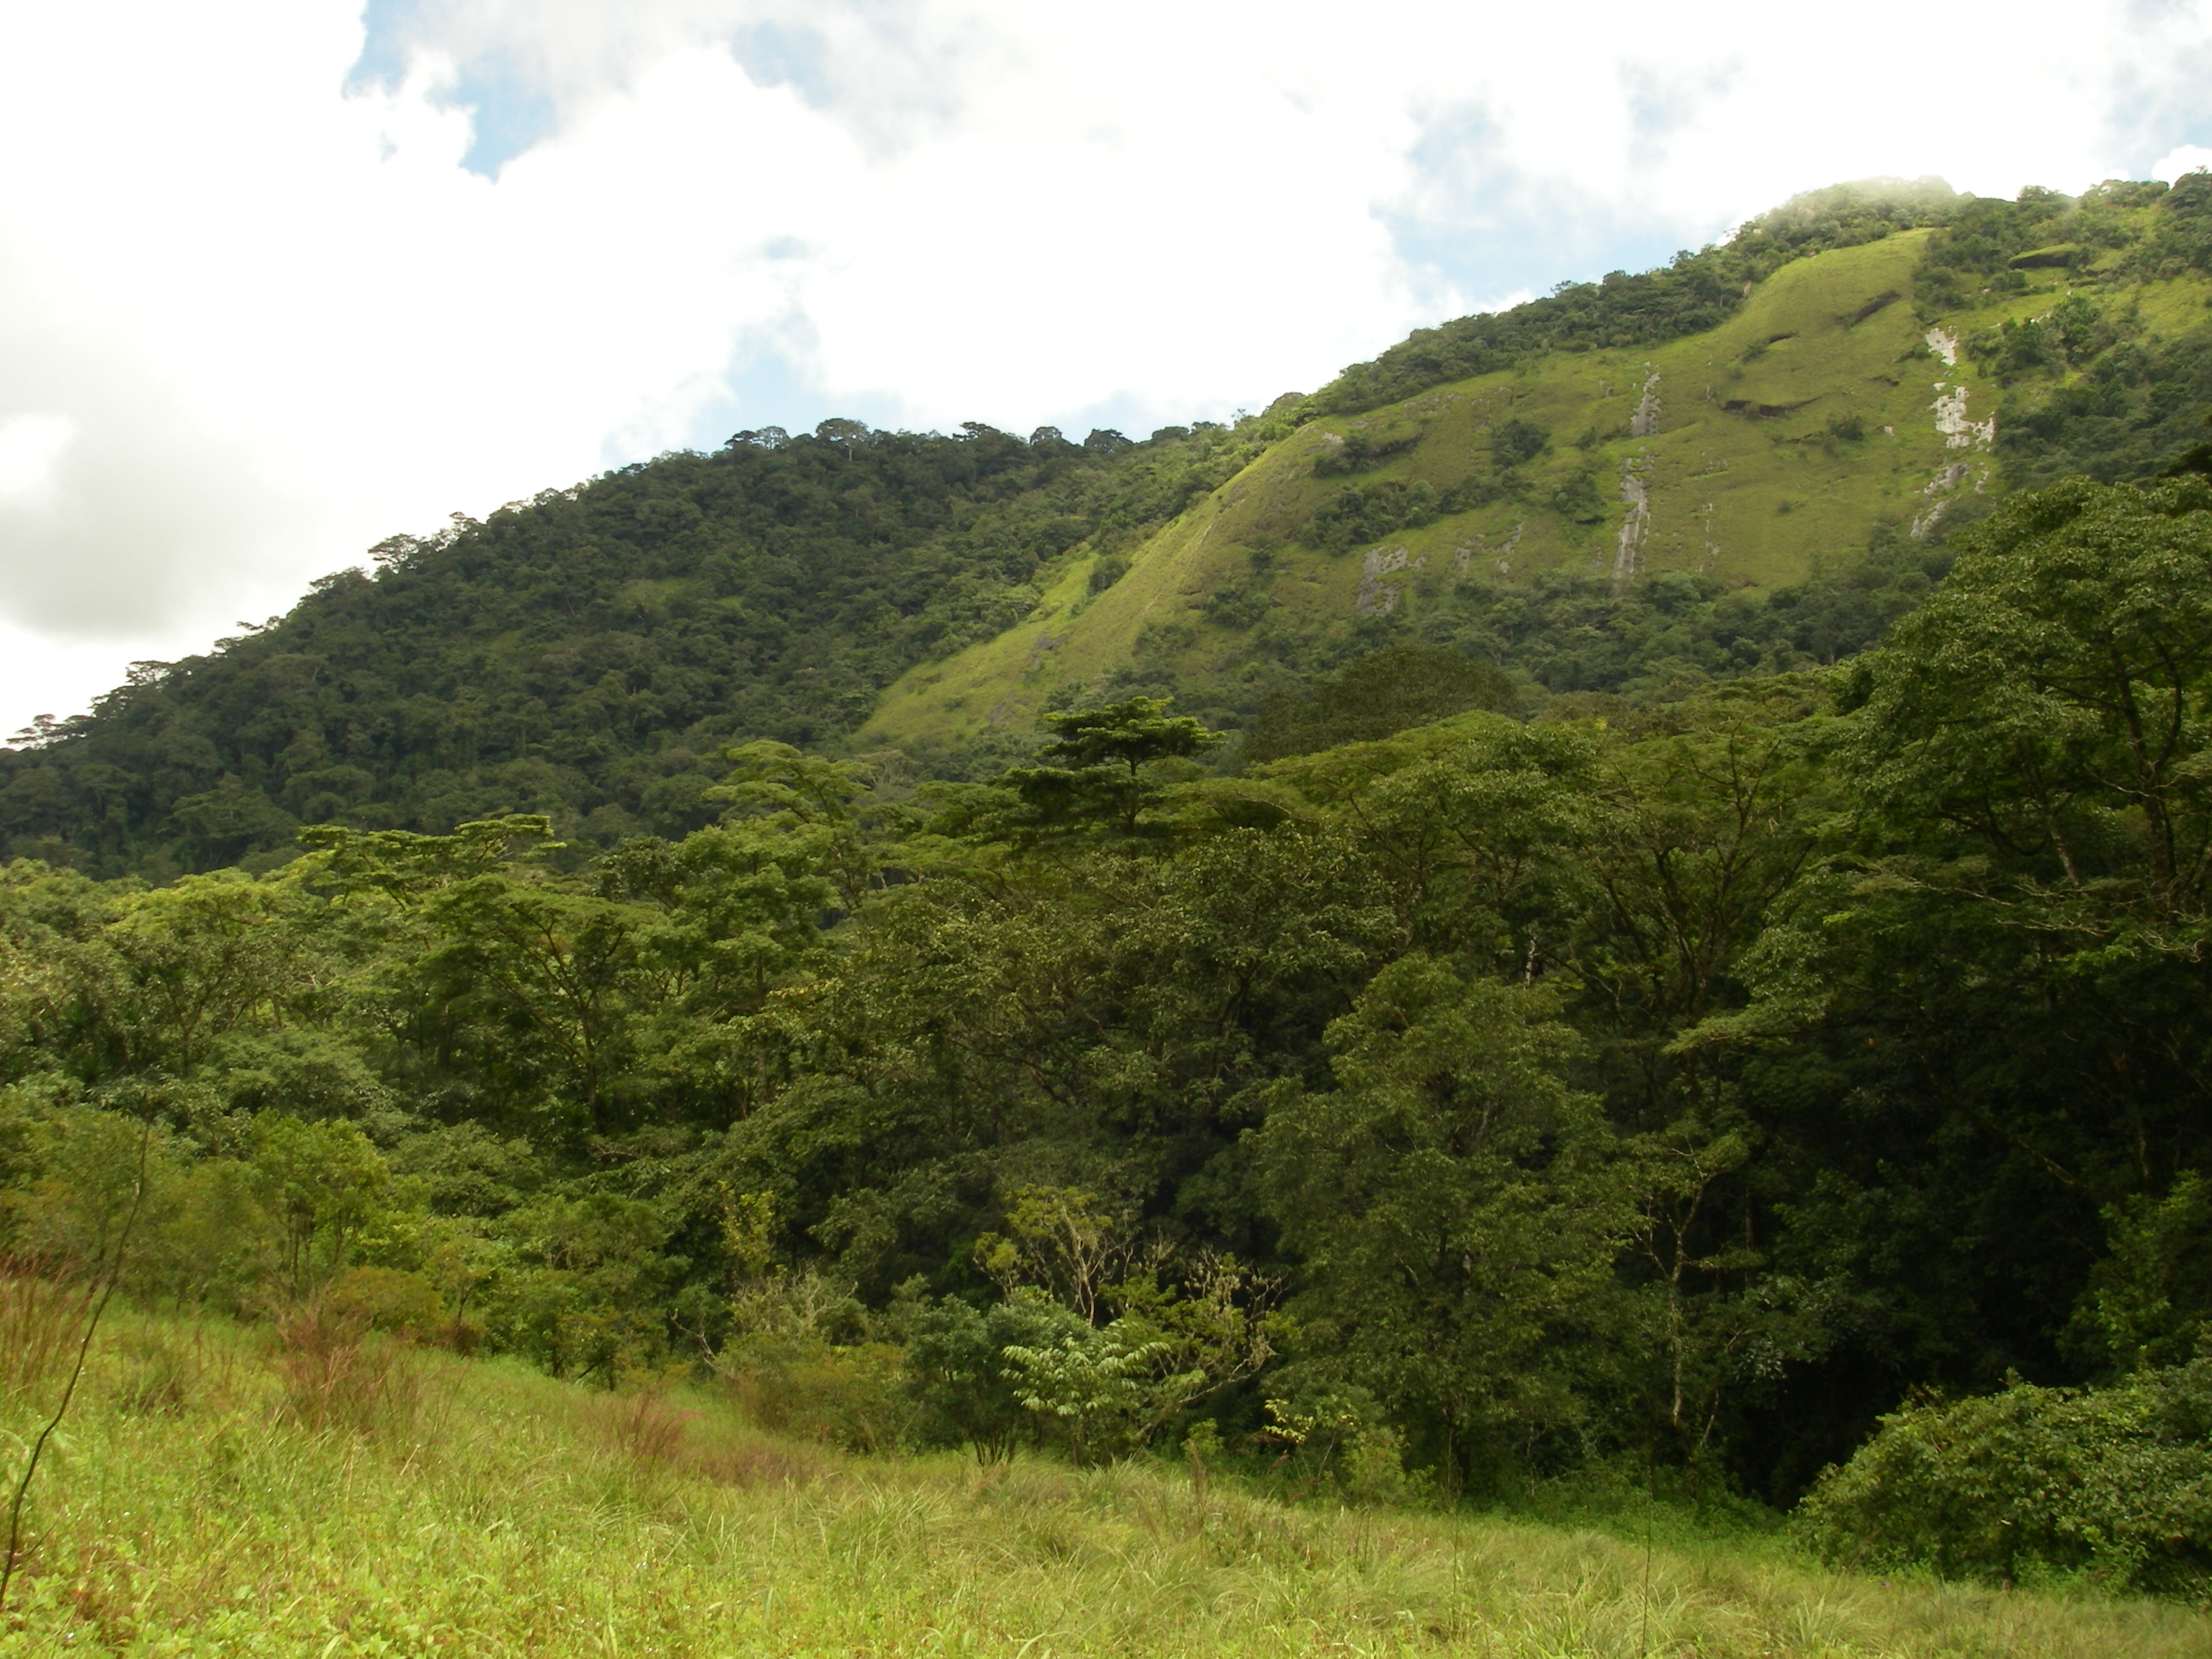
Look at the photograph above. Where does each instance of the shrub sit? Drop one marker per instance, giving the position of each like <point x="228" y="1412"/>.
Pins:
<point x="1366" y="513"/>
<point x="389" y="1299"/>
<point x="852" y="1396"/>
<point x="1336" y="1442"/>
<point x="801" y="1359"/>
<point x="2114" y="1484"/>
<point x="964" y="1391"/>
<point x="1515" y="441"/>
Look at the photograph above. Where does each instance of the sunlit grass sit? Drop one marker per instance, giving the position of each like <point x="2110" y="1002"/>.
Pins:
<point x="219" y="1495"/>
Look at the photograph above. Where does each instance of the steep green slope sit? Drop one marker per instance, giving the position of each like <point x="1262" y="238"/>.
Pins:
<point x="1821" y="438"/>
<point x="1693" y="292"/>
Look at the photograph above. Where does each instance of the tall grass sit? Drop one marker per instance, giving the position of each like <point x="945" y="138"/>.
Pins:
<point x="234" y="1491"/>
<point x="41" y="1320"/>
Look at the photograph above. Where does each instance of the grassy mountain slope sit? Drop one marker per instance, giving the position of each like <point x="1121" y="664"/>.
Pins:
<point x="1837" y="410"/>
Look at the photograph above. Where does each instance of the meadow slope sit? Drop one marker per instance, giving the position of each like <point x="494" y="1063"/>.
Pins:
<point x="223" y="1489"/>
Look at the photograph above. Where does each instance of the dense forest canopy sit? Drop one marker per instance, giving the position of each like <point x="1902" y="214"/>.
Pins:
<point x="588" y="652"/>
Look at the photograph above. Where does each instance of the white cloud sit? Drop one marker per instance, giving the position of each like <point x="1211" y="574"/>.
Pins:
<point x="29" y="447"/>
<point x="253" y="317"/>
<point x="2183" y="158"/>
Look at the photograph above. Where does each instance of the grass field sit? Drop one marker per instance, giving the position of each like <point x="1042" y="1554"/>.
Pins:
<point x="221" y="1491"/>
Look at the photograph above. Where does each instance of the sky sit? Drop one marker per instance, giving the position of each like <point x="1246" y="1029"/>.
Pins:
<point x="279" y="278"/>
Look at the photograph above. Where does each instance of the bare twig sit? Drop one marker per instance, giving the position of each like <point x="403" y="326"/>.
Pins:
<point x="84" y="1347"/>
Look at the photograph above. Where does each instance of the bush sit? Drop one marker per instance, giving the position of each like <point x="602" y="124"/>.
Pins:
<point x="1517" y="441"/>
<point x="389" y="1299"/>
<point x="963" y="1390"/>
<point x="854" y="1396"/>
<point x="1336" y="1441"/>
<point x="337" y="1377"/>
<point x="1367" y="513"/>
<point x="2112" y="1484"/>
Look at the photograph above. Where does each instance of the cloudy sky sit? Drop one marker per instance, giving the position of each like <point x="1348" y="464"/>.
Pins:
<point x="280" y="277"/>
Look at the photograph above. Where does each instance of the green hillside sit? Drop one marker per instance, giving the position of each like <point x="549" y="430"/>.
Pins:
<point x="703" y="1065"/>
<point x="1791" y="1095"/>
<point x="1859" y="402"/>
<point x="591" y="651"/>
<point x="1745" y="462"/>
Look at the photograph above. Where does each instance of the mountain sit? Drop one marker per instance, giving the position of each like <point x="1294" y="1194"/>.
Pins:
<point x="1743" y="462"/>
<point x="1638" y="514"/>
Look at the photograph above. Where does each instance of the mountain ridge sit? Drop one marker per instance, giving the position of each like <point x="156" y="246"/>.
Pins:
<point x="1632" y="512"/>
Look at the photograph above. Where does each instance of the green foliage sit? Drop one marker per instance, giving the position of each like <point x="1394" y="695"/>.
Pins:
<point x="592" y="1297"/>
<point x="968" y="1393"/>
<point x="1366" y="513"/>
<point x="2072" y="332"/>
<point x="2113" y="1484"/>
<point x="1981" y="238"/>
<point x="2049" y="698"/>
<point x="589" y="654"/>
<point x="2149" y="1298"/>
<point x="1577" y="500"/>
<point x="2135" y="409"/>
<point x="1661" y="636"/>
<point x="1382" y="693"/>
<point x="1517" y="441"/>
<point x="320" y="1183"/>
<point x="1340" y="1441"/>
<point x="1449" y="1102"/>
<point x="391" y="1300"/>
<point x="1453" y="1198"/>
<point x="1110" y="754"/>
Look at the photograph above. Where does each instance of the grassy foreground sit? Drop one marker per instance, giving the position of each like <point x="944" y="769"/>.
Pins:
<point x="219" y="1491"/>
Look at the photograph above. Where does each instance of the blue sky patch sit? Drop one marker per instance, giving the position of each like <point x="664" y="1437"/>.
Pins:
<point x="509" y="113"/>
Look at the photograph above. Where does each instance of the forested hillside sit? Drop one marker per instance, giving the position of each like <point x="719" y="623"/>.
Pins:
<point x="1547" y="493"/>
<point x="1744" y="462"/>
<point x="1620" y="895"/>
<point x="587" y="654"/>
<point x="1677" y="1092"/>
